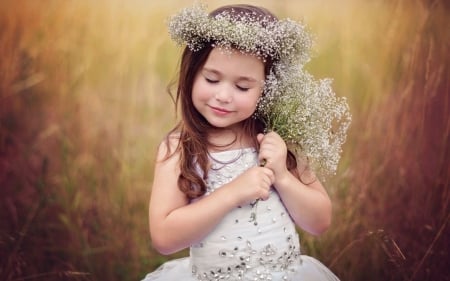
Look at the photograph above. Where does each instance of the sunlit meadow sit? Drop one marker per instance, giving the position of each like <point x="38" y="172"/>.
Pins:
<point x="84" y="104"/>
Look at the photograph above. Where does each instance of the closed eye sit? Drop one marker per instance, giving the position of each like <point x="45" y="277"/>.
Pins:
<point x="212" y="81"/>
<point x="243" y="89"/>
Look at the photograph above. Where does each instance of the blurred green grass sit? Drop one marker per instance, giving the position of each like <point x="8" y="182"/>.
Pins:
<point x="84" y="105"/>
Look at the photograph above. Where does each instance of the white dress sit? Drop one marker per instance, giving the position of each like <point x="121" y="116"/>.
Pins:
<point x="253" y="242"/>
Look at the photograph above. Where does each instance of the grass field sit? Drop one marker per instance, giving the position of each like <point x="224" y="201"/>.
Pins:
<point x="83" y="105"/>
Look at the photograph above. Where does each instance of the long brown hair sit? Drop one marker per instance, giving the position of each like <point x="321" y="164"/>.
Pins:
<point x="192" y="129"/>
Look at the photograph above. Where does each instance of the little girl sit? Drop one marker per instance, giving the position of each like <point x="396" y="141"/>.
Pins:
<point x="224" y="186"/>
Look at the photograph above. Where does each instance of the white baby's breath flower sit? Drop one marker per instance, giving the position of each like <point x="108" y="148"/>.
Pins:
<point x="307" y="115"/>
<point x="283" y="39"/>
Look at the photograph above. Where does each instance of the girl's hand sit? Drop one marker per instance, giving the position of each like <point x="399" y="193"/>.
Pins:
<point x="273" y="153"/>
<point x="251" y="185"/>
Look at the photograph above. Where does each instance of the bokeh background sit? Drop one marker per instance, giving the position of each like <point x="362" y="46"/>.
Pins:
<point x="84" y="104"/>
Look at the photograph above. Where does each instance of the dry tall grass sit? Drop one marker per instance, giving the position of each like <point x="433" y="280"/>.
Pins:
<point x="83" y="106"/>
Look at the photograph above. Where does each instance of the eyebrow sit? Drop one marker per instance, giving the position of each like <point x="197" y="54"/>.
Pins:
<point x="240" y="78"/>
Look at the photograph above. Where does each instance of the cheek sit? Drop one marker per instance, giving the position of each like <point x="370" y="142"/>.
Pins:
<point x="249" y="102"/>
<point x="198" y="90"/>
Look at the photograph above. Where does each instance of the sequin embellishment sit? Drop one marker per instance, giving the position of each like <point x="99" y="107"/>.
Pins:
<point x="253" y="265"/>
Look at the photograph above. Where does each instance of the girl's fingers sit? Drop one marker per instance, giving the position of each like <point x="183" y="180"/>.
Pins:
<point x="270" y="175"/>
<point x="260" y="137"/>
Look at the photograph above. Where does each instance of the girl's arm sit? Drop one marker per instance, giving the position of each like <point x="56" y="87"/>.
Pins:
<point x="175" y="223"/>
<point x="308" y="204"/>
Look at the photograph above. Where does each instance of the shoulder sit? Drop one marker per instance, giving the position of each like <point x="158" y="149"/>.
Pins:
<point x="305" y="173"/>
<point x="168" y="146"/>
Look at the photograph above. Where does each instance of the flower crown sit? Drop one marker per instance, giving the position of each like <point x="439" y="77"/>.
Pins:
<point x="305" y="112"/>
<point x="279" y="39"/>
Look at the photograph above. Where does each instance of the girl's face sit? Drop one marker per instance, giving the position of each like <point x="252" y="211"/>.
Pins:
<point x="226" y="89"/>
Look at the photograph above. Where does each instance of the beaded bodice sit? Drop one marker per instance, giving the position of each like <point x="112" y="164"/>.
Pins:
<point x="253" y="242"/>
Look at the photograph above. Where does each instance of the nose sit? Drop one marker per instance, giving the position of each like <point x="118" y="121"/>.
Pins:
<point x="224" y="94"/>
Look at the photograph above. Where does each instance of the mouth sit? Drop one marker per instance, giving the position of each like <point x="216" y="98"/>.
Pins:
<point x="219" y="110"/>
